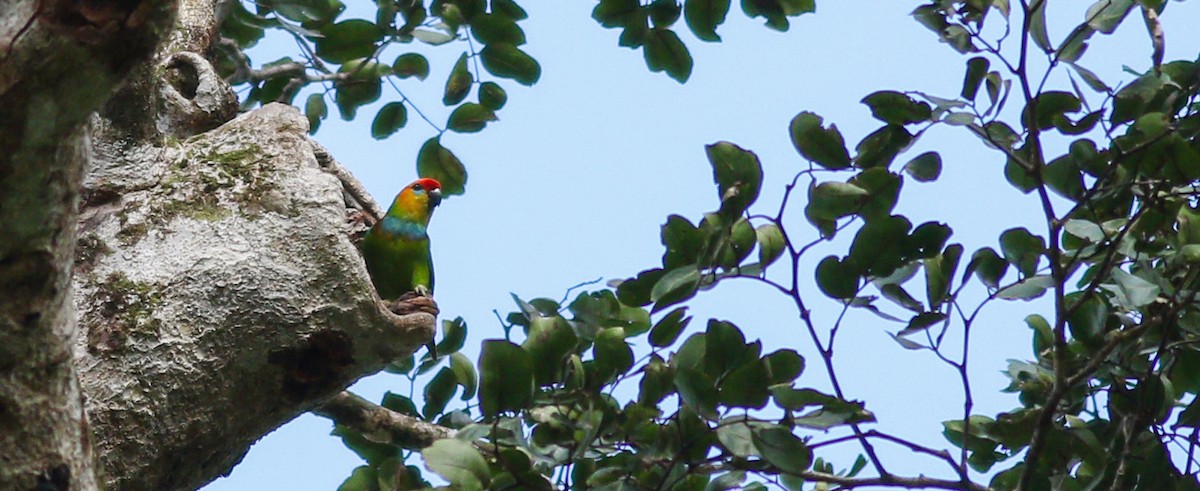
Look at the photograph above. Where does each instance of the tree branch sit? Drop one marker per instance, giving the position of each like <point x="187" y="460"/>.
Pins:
<point x="380" y="424"/>
<point x="891" y="481"/>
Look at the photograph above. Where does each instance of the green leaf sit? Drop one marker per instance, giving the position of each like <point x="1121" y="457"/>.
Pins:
<point x="928" y="239"/>
<point x="667" y="329"/>
<point x="783" y="366"/>
<point x="614" y="13"/>
<point x="665" y="52"/>
<point x="506" y="378"/>
<point x="1084" y="229"/>
<point x="1022" y="249"/>
<point x="663" y="13"/>
<point x="1064" y="177"/>
<point x="370" y="451"/>
<point x="939" y="273"/>
<point x="734" y="435"/>
<point x="1049" y="109"/>
<point x="771" y="243"/>
<point x="458" y="462"/>
<point x="782" y="449"/>
<point x="636" y="29"/>
<point x="884" y="187"/>
<point x="612" y="354"/>
<point x="549" y="341"/>
<point x="315" y="110"/>
<point x="657" y="382"/>
<point x="438" y="162"/>
<point x="1073" y="47"/>
<point x="676" y="286"/>
<point x="836" y="279"/>
<point x="824" y="146"/>
<point x="977" y="67"/>
<point x="725" y="348"/>
<point x="925" y="167"/>
<point x="438" y="392"/>
<point x="497" y="28"/>
<point x="362" y="478"/>
<point x="454" y="334"/>
<point x="470" y="118"/>
<point x="347" y="40"/>
<point x="988" y="266"/>
<point x="244" y="27"/>
<point x="1131" y="291"/>
<point x="703" y="17"/>
<point x="1106" y="15"/>
<point x="880" y="246"/>
<point x="880" y="148"/>
<point x="745" y="386"/>
<point x="1037" y="26"/>
<point x="738" y="175"/>
<point x="390" y="118"/>
<point x="492" y="96"/>
<point x="901" y="297"/>
<point x="411" y="65"/>
<point x="509" y="8"/>
<point x="1091" y="79"/>
<point x="1087" y="318"/>
<point x="349" y="95"/>
<point x="833" y="200"/>
<point x="399" y="403"/>
<point x="777" y="11"/>
<point x="505" y="60"/>
<point x="921" y="322"/>
<point x="683" y="242"/>
<point x="697" y="391"/>
<point x="464" y="374"/>
<point x="432" y="37"/>
<point x="1027" y="289"/>
<point x="459" y="82"/>
<point x="895" y="108"/>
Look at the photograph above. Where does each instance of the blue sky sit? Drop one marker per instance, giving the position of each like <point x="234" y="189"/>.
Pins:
<point x="574" y="181"/>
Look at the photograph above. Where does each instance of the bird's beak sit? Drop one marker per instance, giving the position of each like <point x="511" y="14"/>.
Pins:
<point x="435" y="197"/>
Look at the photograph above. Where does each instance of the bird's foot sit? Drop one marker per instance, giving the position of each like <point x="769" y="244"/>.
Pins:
<point x="413" y="302"/>
<point x="423" y="291"/>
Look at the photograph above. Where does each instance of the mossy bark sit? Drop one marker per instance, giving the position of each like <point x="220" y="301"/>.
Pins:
<point x="59" y="61"/>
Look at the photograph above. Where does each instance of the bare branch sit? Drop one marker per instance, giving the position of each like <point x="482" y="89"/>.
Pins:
<point x="351" y="184"/>
<point x="919" y="482"/>
<point x="380" y="424"/>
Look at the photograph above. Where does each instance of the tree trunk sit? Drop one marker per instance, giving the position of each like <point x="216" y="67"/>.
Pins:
<point x="217" y="287"/>
<point x="59" y="61"/>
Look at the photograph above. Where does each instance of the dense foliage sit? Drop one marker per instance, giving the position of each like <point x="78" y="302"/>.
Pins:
<point x="1107" y="396"/>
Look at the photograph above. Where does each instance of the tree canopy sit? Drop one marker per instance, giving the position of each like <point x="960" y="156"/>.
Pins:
<point x="572" y="396"/>
<point x="613" y="386"/>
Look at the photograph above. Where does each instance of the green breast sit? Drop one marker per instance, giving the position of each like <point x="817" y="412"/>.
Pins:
<point x="397" y="264"/>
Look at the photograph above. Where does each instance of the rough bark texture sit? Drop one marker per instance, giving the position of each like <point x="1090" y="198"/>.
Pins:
<point x="59" y="61"/>
<point x="218" y="288"/>
<point x="221" y="296"/>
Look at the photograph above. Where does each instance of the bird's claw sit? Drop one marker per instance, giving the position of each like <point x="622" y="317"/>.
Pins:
<point x="423" y="291"/>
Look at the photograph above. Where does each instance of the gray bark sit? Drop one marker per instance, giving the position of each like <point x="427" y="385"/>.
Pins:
<point x="219" y="288"/>
<point x="221" y="296"/>
<point x="59" y="61"/>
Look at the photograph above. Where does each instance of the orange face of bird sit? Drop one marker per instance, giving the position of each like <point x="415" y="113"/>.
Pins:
<point x="418" y="199"/>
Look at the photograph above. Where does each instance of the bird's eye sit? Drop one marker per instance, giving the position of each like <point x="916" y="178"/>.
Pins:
<point x="416" y="187"/>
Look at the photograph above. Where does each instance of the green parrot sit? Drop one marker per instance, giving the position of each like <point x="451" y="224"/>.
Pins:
<point x="396" y="249"/>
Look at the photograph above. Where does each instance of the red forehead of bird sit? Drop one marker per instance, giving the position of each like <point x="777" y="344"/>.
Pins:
<point x="428" y="184"/>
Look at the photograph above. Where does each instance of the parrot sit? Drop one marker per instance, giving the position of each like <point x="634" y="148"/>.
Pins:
<point x="396" y="249"/>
